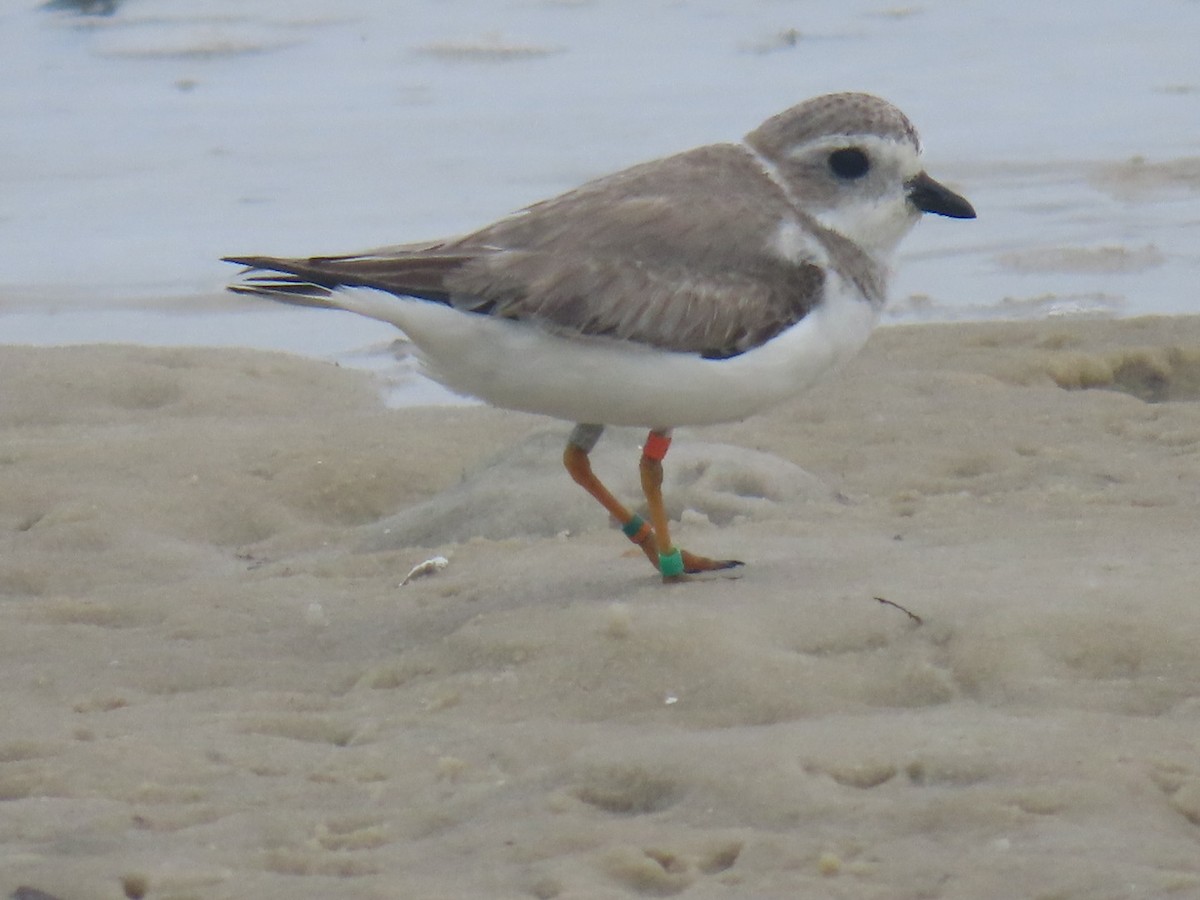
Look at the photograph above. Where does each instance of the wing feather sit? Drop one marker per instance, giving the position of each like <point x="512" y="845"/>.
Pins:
<point x="674" y="254"/>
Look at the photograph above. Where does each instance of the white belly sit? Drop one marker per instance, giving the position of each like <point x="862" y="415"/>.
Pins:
<point x="608" y="382"/>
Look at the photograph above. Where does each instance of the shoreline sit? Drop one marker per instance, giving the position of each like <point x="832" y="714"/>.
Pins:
<point x="218" y="686"/>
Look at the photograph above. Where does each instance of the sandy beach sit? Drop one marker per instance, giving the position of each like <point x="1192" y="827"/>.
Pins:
<point x="217" y="686"/>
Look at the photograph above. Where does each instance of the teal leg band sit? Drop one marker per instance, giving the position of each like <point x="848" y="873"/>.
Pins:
<point x="670" y="564"/>
<point x="633" y="526"/>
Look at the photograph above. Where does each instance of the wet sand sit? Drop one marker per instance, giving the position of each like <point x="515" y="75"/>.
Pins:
<point x="215" y="684"/>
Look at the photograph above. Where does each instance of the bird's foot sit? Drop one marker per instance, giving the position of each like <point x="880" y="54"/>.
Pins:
<point x="693" y="564"/>
<point x="689" y="564"/>
<point x="682" y="565"/>
<point x="677" y="565"/>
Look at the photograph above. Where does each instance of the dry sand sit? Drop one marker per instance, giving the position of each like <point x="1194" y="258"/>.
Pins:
<point x="215" y="686"/>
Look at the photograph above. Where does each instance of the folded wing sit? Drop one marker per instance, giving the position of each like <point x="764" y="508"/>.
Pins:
<point x="649" y="255"/>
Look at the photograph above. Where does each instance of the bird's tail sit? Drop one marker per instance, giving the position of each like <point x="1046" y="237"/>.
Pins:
<point x="266" y="276"/>
<point x="414" y="271"/>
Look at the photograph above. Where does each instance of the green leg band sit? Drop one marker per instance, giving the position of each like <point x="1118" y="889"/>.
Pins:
<point x="670" y="564"/>
<point x="633" y="526"/>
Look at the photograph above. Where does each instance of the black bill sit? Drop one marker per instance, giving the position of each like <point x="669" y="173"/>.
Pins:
<point x="931" y="196"/>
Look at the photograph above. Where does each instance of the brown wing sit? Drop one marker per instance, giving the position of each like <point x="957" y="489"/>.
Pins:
<point x="666" y="305"/>
<point x="673" y="254"/>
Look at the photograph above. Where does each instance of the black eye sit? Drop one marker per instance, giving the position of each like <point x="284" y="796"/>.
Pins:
<point x="850" y="163"/>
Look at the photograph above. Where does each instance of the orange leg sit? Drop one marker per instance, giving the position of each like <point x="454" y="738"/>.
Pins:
<point x="653" y="536"/>
<point x="575" y="458"/>
<point x="675" y="564"/>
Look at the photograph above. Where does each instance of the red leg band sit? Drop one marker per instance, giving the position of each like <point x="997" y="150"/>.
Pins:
<point x="656" y="446"/>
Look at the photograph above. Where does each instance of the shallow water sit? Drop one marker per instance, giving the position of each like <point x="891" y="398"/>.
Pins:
<point x="142" y="146"/>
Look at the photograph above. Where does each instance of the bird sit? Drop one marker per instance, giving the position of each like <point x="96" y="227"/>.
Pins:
<point x="697" y="288"/>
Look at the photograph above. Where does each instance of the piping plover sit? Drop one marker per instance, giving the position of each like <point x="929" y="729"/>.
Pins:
<point x="698" y="288"/>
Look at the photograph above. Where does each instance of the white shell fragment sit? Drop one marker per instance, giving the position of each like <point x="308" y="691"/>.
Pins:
<point x="434" y="564"/>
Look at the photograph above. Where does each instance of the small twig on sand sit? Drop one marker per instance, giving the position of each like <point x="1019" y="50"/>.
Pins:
<point x="912" y="615"/>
